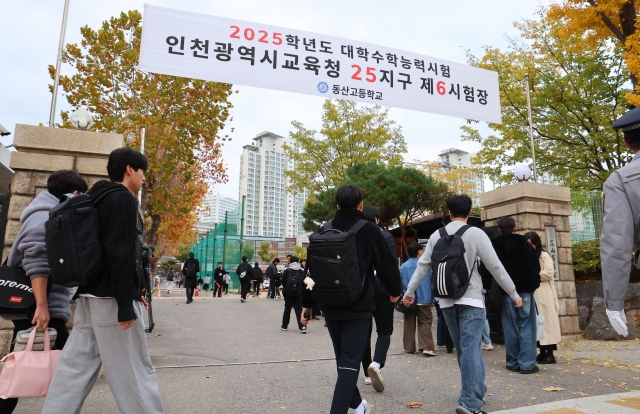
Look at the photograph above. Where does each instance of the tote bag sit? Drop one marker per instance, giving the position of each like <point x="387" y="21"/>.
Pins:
<point x="540" y="327"/>
<point x="28" y="373"/>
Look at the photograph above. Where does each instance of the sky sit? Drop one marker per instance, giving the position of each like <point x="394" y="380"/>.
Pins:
<point x="30" y="30"/>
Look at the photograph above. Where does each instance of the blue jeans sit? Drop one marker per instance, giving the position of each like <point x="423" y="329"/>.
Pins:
<point x="486" y="332"/>
<point x="465" y="325"/>
<point x="520" y="332"/>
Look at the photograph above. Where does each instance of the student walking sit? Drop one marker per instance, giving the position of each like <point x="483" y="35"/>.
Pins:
<point x="256" y="279"/>
<point x="291" y="286"/>
<point x="190" y="272"/>
<point x="464" y="316"/>
<point x="349" y="325"/>
<point x="108" y="325"/>
<point x="244" y="272"/>
<point x="272" y="275"/>
<point x="218" y="280"/>
<point x="170" y="278"/>
<point x="207" y="282"/>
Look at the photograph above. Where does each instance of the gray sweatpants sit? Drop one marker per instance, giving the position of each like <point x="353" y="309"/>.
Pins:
<point x="97" y="340"/>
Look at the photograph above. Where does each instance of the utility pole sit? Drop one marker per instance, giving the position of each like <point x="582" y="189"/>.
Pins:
<point x="533" y="148"/>
<point x="56" y="80"/>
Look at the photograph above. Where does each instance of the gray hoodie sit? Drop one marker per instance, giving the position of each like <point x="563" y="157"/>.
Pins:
<point x="30" y="252"/>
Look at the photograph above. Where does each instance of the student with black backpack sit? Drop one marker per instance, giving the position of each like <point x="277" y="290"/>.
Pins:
<point x="190" y="271"/>
<point x="244" y="272"/>
<point x="108" y="325"/>
<point x="291" y="285"/>
<point x="341" y="259"/>
<point x="452" y="253"/>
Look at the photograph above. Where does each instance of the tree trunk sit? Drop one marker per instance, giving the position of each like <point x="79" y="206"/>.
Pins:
<point x="403" y="237"/>
<point x="628" y="23"/>
<point x="151" y="235"/>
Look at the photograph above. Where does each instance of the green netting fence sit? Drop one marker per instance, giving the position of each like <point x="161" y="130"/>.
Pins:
<point x="222" y="244"/>
<point x="588" y="213"/>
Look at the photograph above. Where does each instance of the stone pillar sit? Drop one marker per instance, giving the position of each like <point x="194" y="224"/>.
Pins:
<point x="544" y="209"/>
<point x="42" y="151"/>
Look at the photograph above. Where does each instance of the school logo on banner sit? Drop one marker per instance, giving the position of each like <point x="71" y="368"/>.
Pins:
<point x="323" y="87"/>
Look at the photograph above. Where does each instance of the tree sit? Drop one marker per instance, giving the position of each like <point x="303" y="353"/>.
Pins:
<point x="249" y="251"/>
<point x="597" y="20"/>
<point x="577" y="93"/>
<point x="459" y="180"/>
<point x="350" y="135"/>
<point x="319" y="209"/>
<point x="182" y="118"/>
<point x="300" y="252"/>
<point x="264" y="252"/>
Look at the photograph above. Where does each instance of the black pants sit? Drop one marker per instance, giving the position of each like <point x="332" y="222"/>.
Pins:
<point x="246" y="286"/>
<point x="384" y="328"/>
<point x="7" y="406"/>
<point x="291" y="302"/>
<point x="189" y="293"/>
<point x="206" y="287"/>
<point x="349" y="339"/>
<point x="442" y="330"/>
<point x="225" y="288"/>
<point x="217" y="288"/>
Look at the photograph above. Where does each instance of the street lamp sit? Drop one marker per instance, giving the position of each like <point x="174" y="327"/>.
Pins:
<point x="522" y="173"/>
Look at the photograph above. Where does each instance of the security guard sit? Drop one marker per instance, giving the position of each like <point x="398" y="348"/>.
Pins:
<point x="621" y="226"/>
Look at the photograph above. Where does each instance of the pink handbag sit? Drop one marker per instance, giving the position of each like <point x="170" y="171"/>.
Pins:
<point x="28" y="373"/>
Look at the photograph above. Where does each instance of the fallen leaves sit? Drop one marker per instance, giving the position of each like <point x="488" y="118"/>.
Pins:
<point x="414" y="405"/>
<point x="552" y="389"/>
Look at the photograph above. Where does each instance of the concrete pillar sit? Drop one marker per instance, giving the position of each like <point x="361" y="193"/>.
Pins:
<point x="544" y="209"/>
<point x="41" y="151"/>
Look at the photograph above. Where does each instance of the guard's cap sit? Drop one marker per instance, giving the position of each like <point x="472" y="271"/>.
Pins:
<point x="629" y="121"/>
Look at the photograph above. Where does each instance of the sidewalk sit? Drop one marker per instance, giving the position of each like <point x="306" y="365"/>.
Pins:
<point x="627" y="403"/>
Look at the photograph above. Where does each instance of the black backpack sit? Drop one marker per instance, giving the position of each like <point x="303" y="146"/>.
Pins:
<point x="294" y="282"/>
<point x="74" y="251"/>
<point x="450" y="273"/>
<point x="332" y="263"/>
<point x="191" y="270"/>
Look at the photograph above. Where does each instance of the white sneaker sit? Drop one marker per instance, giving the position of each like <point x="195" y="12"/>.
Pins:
<point x="428" y="353"/>
<point x="367" y="407"/>
<point x="376" y="378"/>
<point x="487" y="347"/>
<point x="367" y="381"/>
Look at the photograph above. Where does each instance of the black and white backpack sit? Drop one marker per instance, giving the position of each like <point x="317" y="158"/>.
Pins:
<point x="450" y="273"/>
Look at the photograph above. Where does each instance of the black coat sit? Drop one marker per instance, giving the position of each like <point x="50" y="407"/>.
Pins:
<point x="257" y="274"/>
<point x="190" y="280"/>
<point x="244" y="267"/>
<point x="118" y="213"/>
<point x="373" y="253"/>
<point x="218" y="276"/>
<point x="519" y="260"/>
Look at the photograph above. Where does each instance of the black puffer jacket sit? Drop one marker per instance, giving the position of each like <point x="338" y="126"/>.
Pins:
<point x="519" y="260"/>
<point x="118" y="214"/>
<point x="373" y="253"/>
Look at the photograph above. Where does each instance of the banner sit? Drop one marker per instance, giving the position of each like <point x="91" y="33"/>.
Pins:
<point x="199" y="46"/>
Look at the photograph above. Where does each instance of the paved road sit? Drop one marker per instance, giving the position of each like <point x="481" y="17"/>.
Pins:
<point x="218" y="355"/>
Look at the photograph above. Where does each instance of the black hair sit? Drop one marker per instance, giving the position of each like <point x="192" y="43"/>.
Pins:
<point x="294" y="259"/>
<point x="459" y="205"/>
<point x="506" y="225"/>
<point x="372" y="213"/>
<point x="413" y="249"/>
<point x="245" y="258"/>
<point x="632" y="138"/>
<point x="535" y="240"/>
<point x="276" y="260"/>
<point x="257" y="264"/>
<point x="219" y="262"/>
<point x="289" y="255"/>
<point x="191" y="255"/>
<point x="120" y="158"/>
<point x="62" y="182"/>
<point x="349" y="196"/>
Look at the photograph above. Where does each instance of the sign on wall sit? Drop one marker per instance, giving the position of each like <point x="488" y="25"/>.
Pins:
<point x="212" y="48"/>
<point x="552" y="249"/>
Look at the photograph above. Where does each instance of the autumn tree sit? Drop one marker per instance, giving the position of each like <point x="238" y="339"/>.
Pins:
<point x="576" y="94"/>
<point x="182" y="118"/>
<point x="350" y="134"/>
<point x="300" y="252"/>
<point x="459" y="180"/>
<point x="264" y="252"/>
<point x="595" y="21"/>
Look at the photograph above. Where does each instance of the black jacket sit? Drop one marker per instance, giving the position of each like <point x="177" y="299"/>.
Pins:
<point x="272" y="271"/>
<point x="191" y="280"/>
<point x="119" y="239"/>
<point x="519" y="260"/>
<point x="218" y="275"/>
<point x="257" y="274"/>
<point x="244" y="267"/>
<point x="388" y="237"/>
<point x="373" y="253"/>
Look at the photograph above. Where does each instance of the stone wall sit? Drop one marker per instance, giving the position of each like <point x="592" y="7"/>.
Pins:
<point x="536" y="206"/>
<point x="41" y="151"/>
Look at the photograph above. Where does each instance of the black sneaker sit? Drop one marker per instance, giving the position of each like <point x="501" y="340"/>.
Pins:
<point x="530" y="371"/>
<point x="516" y="369"/>
<point x="462" y="410"/>
<point x="303" y="330"/>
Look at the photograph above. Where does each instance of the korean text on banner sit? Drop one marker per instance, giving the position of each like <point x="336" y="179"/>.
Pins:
<point x="199" y="46"/>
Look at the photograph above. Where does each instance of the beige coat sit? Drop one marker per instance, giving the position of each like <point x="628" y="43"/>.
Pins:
<point x="547" y="301"/>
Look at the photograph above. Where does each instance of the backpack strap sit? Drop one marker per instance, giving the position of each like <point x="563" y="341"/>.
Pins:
<point x="462" y="229"/>
<point x="327" y="225"/>
<point x="106" y="193"/>
<point x="443" y="232"/>
<point x="358" y="226"/>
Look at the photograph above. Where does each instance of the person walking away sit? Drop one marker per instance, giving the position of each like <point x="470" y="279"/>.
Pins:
<point x="443" y="336"/>
<point x="424" y="309"/>
<point x="547" y="302"/>
<point x="291" y="285"/>
<point x="227" y="282"/>
<point x="520" y="261"/>
<point x="349" y="325"/>
<point x="244" y="272"/>
<point x="464" y="316"/>
<point x="207" y="282"/>
<point x="178" y="280"/>
<point x="218" y="280"/>
<point x="190" y="272"/>
<point x="383" y="315"/>
<point x="257" y="279"/>
<point x="108" y="325"/>
<point x="271" y="273"/>
<point x="170" y="278"/>
<point x="621" y="224"/>
<point x="29" y="252"/>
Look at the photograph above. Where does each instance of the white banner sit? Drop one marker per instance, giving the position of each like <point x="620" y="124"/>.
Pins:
<point x="199" y="46"/>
